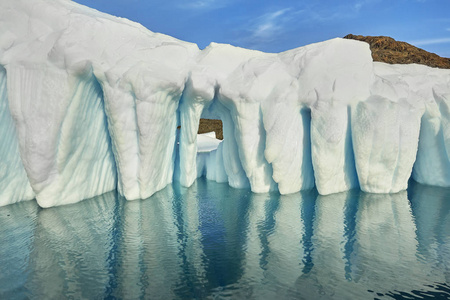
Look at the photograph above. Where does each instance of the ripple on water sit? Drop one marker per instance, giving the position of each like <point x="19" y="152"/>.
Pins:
<point x="212" y="241"/>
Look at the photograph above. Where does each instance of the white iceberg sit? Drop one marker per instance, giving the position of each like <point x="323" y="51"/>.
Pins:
<point x="90" y="103"/>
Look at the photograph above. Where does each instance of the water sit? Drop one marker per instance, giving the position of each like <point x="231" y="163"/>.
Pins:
<point x="212" y="241"/>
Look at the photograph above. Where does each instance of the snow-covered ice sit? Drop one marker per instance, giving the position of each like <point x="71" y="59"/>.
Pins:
<point x="90" y="103"/>
<point x="207" y="142"/>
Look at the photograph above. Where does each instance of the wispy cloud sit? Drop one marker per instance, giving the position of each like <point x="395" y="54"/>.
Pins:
<point x="360" y="3"/>
<point x="268" y="28"/>
<point x="269" y="24"/>
<point x="203" y="4"/>
<point x="324" y="13"/>
<point x="272" y="23"/>
<point x="424" y="42"/>
<point x="274" y="26"/>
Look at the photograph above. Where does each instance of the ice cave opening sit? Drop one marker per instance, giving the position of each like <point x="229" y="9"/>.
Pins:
<point x="214" y="155"/>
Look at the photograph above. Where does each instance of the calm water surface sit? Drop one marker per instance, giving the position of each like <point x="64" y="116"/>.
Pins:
<point x="212" y="241"/>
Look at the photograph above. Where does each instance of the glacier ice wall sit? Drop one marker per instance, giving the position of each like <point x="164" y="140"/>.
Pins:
<point x="62" y="132"/>
<point x="90" y="103"/>
<point x="14" y="184"/>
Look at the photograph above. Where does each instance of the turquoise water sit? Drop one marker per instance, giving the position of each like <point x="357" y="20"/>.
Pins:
<point x="212" y="241"/>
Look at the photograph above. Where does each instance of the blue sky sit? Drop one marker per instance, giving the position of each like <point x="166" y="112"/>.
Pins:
<point x="275" y="26"/>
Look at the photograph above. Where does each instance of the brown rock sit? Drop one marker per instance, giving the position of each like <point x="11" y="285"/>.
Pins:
<point x="208" y="125"/>
<point x="388" y="50"/>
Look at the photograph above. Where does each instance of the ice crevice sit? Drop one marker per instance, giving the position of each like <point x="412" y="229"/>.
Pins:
<point x="90" y="103"/>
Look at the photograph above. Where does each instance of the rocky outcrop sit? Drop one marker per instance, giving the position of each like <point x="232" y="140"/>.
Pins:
<point x="209" y="125"/>
<point x="386" y="49"/>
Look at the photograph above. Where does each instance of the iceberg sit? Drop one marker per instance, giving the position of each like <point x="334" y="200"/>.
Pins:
<point x="90" y="103"/>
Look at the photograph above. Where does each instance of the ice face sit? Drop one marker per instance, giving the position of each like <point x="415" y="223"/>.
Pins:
<point x="385" y="137"/>
<point x="427" y="92"/>
<point x="90" y="103"/>
<point x="433" y="158"/>
<point x="14" y="183"/>
<point x="332" y="148"/>
<point x="63" y="134"/>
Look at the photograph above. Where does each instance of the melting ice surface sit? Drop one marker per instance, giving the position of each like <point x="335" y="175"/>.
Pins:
<point x="211" y="241"/>
<point x="90" y="103"/>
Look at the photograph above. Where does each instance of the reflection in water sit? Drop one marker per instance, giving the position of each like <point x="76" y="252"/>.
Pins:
<point x="431" y="210"/>
<point x="148" y="260"/>
<point x="72" y="252"/>
<point x="17" y="227"/>
<point x="211" y="240"/>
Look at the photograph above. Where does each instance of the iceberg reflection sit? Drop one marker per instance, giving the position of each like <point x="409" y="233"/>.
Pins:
<point x="17" y="228"/>
<point x="72" y="250"/>
<point x="211" y="240"/>
<point x="431" y="211"/>
<point x="278" y="244"/>
<point x="149" y="254"/>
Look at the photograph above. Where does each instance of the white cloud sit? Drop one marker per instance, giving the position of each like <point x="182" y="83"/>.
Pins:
<point x="203" y="4"/>
<point x="325" y="13"/>
<point x="268" y="28"/>
<point x="360" y="3"/>
<point x="272" y="26"/>
<point x="269" y="24"/>
<point x="424" y="42"/>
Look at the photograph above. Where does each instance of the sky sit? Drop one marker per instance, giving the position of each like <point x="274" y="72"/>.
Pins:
<point x="275" y="26"/>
